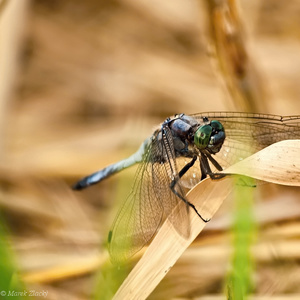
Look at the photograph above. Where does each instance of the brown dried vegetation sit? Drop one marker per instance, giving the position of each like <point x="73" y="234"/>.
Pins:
<point x="84" y="82"/>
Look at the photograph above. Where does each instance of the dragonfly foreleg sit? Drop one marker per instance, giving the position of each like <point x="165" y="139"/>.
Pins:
<point x="214" y="162"/>
<point x="206" y="170"/>
<point x="179" y="195"/>
<point x="187" y="167"/>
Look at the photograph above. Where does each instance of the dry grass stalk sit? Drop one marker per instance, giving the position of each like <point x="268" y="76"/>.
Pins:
<point x="11" y="23"/>
<point x="238" y="71"/>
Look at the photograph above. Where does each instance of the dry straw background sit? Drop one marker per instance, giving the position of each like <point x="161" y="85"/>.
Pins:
<point x="84" y="82"/>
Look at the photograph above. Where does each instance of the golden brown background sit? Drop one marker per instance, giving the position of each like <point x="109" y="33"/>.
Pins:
<point x="84" y="82"/>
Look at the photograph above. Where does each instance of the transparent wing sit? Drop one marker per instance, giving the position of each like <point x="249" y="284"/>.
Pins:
<point x="246" y="133"/>
<point x="177" y="211"/>
<point x="139" y="217"/>
<point x="150" y="202"/>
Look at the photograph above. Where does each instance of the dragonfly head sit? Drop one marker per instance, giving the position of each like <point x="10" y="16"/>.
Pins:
<point x="210" y="137"/>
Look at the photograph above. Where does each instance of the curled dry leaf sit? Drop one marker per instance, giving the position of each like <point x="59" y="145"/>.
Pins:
<point x="278" y="163"/>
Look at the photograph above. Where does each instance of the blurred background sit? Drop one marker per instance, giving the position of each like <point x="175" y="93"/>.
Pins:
<point x="83" y="83"/>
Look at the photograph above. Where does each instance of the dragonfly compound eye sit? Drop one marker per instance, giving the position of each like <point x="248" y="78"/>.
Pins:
<point x="217" y="137"/>
<point x="216" y="125"/>
<point x="202" y="136"/>
<point x="210" y="136"/>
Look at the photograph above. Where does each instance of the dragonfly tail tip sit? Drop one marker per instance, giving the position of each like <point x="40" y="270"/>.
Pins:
<point x="78" y="186"/>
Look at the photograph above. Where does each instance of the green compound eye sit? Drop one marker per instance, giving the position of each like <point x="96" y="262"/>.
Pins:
<point x="216" y="125"/>
<point x="202" y="136"/>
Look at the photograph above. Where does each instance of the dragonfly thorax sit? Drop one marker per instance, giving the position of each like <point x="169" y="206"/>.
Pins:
<point x="187" y="131"/>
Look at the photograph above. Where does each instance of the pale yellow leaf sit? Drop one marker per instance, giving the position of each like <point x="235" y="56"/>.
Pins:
<point x="278" y="163"/>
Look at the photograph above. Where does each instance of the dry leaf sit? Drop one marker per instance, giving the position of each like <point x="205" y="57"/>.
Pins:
<point x="278" y="163"/>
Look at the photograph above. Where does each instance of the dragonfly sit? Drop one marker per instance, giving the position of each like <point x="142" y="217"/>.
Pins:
<point x="181" y="152"/>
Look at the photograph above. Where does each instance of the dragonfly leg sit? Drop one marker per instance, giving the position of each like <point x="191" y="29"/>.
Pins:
<point x="206" y="170"/>
<point x="204" y="167"/>
<point x="187" y="167"/>
<point x="179" y="195"/>
<point x="216" y="176"/>
<point x="214" y="162"/>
